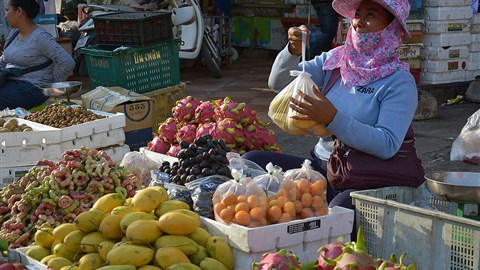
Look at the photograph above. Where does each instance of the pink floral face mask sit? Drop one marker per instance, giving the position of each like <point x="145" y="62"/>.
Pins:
<point x="367" y="57"/>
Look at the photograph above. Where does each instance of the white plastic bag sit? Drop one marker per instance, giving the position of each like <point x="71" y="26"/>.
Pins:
<point x="466" y="146"/>
<point x="141" y="165"/>
<point x="280" y="112"/>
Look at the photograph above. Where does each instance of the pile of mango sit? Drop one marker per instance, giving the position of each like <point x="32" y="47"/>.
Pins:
<point x="146" y="232"/>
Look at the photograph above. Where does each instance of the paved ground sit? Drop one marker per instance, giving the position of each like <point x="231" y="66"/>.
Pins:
<point x="246" y="81"/>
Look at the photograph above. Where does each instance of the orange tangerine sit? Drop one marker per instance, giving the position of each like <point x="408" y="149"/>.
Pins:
<point x="230" y="199"/>
<point x="263" y="222"/>
<point x="285" y="217"/>
<point x="322" y="211"/>
<point x="253" y="224"/>
<point x="303" y="184"/>
<point x="298" y="206"/>
<point x="241" y="198"/>
<point x="306" y="212"/>
<point x="289" y="207"/>
<point x="218" y="207"/>
<point x="282" y="192"/>
<point x="274" y="213"/>
<point x="319" y="187"/>
<point x="231" y="208"/>
<point x="242" y="206"/>
<point x="281" y="200"/>
<point x="306" y="199"/>
<point x="242" y="218"/>
<point x="253" y="201"/>
<point x="226" y="214"/>
<point x="298" y="193"/>
<point x="272" y="202"/>
<point x="318" y="201"/>
<point x="257" y="213"/>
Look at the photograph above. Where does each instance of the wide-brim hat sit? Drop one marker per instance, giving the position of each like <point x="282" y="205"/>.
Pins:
<point x="399" y="8"/>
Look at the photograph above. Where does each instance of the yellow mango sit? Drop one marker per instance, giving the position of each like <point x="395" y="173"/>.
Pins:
<point x="169" y="206"/>
<point x="212" y="264"/>
<point x="109" y="201"/>
<point x="131" y="255"/>
<point x="73" y="239"/>
<point x="48" y="258"/>
<point x="44" y="237"/>
<point x="90" y="242"/>
<point x="110" y="227"/>
<point x="61" y="251"/>
<point x="147" y="200"/>
<point x="58" y="262"/>
<point x="90" y="261"/>
<point x="121" y="210"/>
<point x="200" y="235"/>
<point x="175" y="222"/>
<point x="149" y="267"/>
<point x="118" y="267"/>
<point x="38" y="252"/>
<point x="143" y="231"/>
<point x="183" y="266"/>
<point x="188" y="213"/>
<point x="133" y="216"/>
<point x="62" y="230"/>
<point x="198" y="257"/>
<point x="104" y="247"/>
<point x="219" y="249"/>
<point x="167" y="256"/>
<point x="89" y="221"/>
<point x="183" y="243"/>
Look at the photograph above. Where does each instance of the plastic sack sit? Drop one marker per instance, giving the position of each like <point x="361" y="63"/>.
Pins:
<point x="466" y="146"/>
<point x="250" y="168"/>
<point x="311" y="191"/>
<point x="240" y="200"/>
<point x="179" y="193"/>
<point x="139" y="164"/>
<point x="280" y="112"/>
<point x="280" y="195"/>
<point x="202" y="190"/>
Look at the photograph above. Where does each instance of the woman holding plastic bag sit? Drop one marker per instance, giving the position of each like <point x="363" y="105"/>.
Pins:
<point x="371" y="98"/>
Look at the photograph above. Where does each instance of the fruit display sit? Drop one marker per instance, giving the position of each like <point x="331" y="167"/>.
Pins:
<point x="338" y="255"/>
<point x="235" y="123"/>
<point x="147" y="231"/>
<point x="59" y="116"/>
<point x="53" y="193"/>
<point x="203" y="157"/>
<point x="12" y="125"/>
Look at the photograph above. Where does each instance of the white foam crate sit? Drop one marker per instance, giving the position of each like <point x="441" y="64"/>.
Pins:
<point x="412" y="220"/>
<point x="475" y="18"/>
<point x="157" y="157"/>
<point x="445" y="53"/>
<point x="452" y="26"/>
<point x="444" y="65"/>
<point x="447" y="39"/>
<point x="471" y="74"/>
<point x="116" y="152"/>
<point x="28" y="155"/>
<point x="474" y="61"/>
<point x="11" y="174"/>
<point x="475" y="29"/>
<point x="40" y="135"/>
<point x="96" y="140"/>
<point x="446" y="3"/>
<point x="19" y="255"/>
<point x="447" y="13"/>
<point x="303" y="237"/>
<point x="111" y="121"/>
<point x="416" y="25"/>
<point x="474" y="47"/>
<point x="409" y="51"/>
<point x="442" y="77"/>
<point x="414" y="62"/>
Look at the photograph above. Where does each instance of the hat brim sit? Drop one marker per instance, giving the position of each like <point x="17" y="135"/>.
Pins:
<point x="347" y="9"/>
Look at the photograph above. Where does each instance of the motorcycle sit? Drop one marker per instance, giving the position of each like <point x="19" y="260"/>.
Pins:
<point x="196" y="40"/>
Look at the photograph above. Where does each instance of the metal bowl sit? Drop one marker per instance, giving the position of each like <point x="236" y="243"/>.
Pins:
<point x="64" y="89"/>
<point x="461" y="187"/>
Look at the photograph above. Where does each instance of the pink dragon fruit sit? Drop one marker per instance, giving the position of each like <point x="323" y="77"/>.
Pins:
<point x="174" y="149"/>
<point x="282" y="260"/>
<point x="392" y="264"/>
<point x="207" y="128"/>
<point x="159" y="145"/>
<point x="266" y="138"/>
<point x="248" y="116"/>
<point x="168" y="129"/>
<point x="331" y="251"/>
<point x="231" y="132"/>
<point x="186" y="133"/>
<point x="228" y="109"/>
<point x="204" y="112"/>
<point x="184" y="110"/>
<point x="251" y="140"/>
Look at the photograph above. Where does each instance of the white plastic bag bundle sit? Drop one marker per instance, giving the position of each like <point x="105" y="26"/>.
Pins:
<point x="466" y="146"/>
<point x="280" y="112"/>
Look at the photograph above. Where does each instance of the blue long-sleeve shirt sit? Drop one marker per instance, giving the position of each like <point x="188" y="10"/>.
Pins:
<point x="373" y="118"/>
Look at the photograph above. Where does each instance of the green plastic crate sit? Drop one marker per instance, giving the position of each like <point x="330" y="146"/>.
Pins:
<point x="140" y="70"/>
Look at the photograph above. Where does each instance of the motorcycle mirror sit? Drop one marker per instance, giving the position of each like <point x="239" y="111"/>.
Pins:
<point x="183" y="15"/>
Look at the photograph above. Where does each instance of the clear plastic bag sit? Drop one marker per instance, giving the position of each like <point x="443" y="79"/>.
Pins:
<point x="280" y="195"/>
<point x="311" y="191"/>
<point x="202" y="190"/>
<point x="240" y="200"/>
<point x="280" y="112"/>
<point x="250" y="168"/>
<point x="180" y="193"/>
<point x="139" y="164"/>
<point x="466" y="146"/>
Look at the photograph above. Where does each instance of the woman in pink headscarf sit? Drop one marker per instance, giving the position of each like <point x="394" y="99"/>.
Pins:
<point x="373" y="99"/>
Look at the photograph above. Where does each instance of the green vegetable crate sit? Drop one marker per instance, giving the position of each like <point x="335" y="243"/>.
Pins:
<point x="140" y="69"/>
<point x="413" y="221"/>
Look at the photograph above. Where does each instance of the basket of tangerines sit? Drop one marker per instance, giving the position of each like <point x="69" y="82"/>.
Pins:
<point x="272" y="198"/>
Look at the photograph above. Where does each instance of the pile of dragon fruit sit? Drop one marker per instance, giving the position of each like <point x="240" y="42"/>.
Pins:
<point x="234" y="123"/>
<point x="338" y="255"/>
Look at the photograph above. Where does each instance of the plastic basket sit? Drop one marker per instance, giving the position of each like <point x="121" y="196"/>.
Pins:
<point x="164" y="101"/>
<point x="412" y="220"/>
<point x="137" y="69"/>
<point x="133" y="29"/>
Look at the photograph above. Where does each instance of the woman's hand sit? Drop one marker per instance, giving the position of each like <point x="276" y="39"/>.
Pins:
<point x="295" y="39"/>
<point x="319" y="109"/>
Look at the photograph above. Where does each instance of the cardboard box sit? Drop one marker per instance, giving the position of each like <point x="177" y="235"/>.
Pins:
<point x="138" y="110"/>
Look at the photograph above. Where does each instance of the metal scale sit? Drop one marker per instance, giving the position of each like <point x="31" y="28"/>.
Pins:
<point x="460" y="187"/>
<point x="61" y="90"/>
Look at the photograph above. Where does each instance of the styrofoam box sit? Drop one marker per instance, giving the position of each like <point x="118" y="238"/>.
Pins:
<point x="447" y="13"/>
<point x="415" y="25"/>
<point x="28" y="155"/>
<point x="444" y="65"/>
<point x="111" y="121"/>
<point x="11" y="174"/>
<point x="404" y="219"/>
<point x="440" y="27"/>
<point x="471" y="74"/>
<point x="409" y="51"/>
<point x="40" y="135"/>
<point x="117" y="152"/>
<point x="475" y="29"/>
<point x="474" y="47"/>
<point x="157" y="157"/>
<point x="303" y="237"/>
<point x="445" y="53"/>
<point x="414" y="62"/>
<point x="474" y="61"/>
<point x="446" y="3"/>
<point x="447" y="39"/>
<point x="475" y="38"/>
<point x="442" y="77"/>
<point x="96" y="140"/>
<point x="19" y="255"/>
